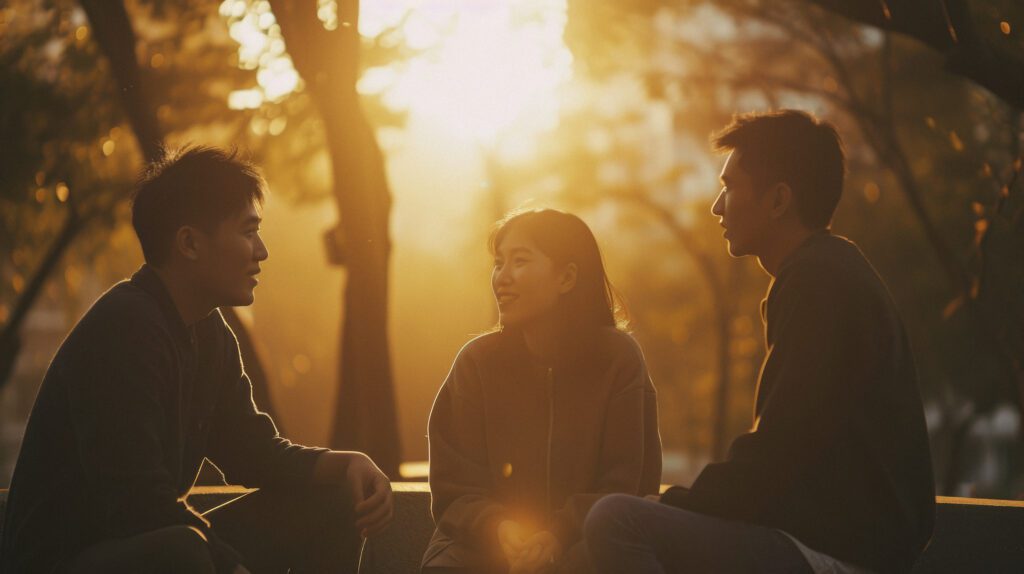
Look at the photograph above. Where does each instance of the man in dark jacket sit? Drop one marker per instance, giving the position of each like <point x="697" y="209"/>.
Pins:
<point x="149" y="383"/>
<point x="835" y="473"/>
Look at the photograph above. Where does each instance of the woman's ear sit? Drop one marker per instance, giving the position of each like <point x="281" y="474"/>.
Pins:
<point x="186" y="242"/>
<point x="568" y="280"/>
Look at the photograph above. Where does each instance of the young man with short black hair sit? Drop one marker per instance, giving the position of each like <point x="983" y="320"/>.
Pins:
<point x="835" y="474"/>
<point x="149" y="383"/>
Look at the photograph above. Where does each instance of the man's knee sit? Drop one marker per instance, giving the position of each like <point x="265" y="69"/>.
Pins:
<point x="172" y="549"/>
<point x="609" y="515"/>
<point x="187" y="549"/>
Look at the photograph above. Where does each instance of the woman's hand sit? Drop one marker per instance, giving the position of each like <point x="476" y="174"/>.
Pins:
<point x="511" y="538"/>
<point x="538" y="554"/>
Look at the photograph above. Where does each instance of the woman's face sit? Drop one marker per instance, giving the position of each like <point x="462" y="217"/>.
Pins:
<point x="525" y="281"/>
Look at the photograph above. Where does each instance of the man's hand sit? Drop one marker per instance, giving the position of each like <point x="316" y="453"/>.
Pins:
<point x="538" y="554"/>
<point x="370" y="488"/>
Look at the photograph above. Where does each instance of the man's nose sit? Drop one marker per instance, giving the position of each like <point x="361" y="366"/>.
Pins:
<point x="261" y="250"/>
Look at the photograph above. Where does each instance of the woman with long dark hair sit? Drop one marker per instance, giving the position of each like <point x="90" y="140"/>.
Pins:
<point x="544" y="415"/>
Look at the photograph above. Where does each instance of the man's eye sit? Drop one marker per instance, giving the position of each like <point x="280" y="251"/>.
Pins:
<point x="520" y="260"/>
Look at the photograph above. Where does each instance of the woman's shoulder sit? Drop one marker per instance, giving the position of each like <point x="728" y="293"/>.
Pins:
<point x="619" y="343"/>
<point x="481" y="347"/>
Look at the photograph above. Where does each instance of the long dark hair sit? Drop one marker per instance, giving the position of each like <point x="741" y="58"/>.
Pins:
<point x="565" y="238"/>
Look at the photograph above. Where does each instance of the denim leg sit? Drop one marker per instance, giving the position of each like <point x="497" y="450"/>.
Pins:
<point x="630" y="534"/>
<point x="307" y="530"/>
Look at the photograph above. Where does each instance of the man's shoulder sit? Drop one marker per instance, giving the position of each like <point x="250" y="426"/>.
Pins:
<point x="833" y="278"/>
<point x="831" y="262"/>
<point x="620" y="344"/>
<point x="125" y="307"/>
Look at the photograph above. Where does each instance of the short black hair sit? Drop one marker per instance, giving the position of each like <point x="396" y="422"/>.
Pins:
<point x="194" y="185"/>
<point x="792" y="147"/>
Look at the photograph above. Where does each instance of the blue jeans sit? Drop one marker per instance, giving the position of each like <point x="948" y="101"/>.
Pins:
<point x="630" y="534"/>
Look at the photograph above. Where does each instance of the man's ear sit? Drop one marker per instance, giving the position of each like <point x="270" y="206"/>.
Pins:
<point x="781" y="199"/>
<point x="568" y="281"/>
<point x="187" y="242"/>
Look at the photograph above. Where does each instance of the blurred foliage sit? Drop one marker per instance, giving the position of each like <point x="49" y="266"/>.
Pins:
<point x="66" y="140"/>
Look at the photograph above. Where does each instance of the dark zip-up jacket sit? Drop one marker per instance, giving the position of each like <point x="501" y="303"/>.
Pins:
<point x="838" y="455"/>
<point x="129" y="407"/>
<point x="510" y="438"/>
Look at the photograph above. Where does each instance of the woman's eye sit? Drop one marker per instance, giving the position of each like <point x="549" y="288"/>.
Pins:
<point x="520" y="260"/>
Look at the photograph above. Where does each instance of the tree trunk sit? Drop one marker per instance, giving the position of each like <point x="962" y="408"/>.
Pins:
<point x="10" y="337"/>
<point x="365" y="416"/>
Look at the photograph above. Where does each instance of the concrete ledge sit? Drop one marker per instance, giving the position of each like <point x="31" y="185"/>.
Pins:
<point x="975" y="535"/>
<point x="971" y="534"/>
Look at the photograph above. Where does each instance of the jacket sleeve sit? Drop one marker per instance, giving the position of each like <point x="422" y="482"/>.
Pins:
<point x="244" y="442"/>
<point x="121" y="422"/>
<point x="821" y="353"/>
<point x="630" y="460"/>
<point x="460" y="481"/>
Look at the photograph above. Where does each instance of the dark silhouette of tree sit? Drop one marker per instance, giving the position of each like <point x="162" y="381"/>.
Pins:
<point x="951" y="28"/>
<point x="328" y="61"/>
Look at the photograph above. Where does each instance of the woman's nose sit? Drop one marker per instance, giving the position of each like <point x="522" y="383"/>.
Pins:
<point x="716" y="207"/>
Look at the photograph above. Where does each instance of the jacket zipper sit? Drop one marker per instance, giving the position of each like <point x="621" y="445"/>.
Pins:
<point x="551" y="427"/>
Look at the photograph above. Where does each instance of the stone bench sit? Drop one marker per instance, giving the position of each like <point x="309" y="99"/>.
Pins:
<point x="971" y="535"/>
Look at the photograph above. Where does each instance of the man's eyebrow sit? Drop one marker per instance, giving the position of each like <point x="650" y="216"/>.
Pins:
<point x="252" y="219"/>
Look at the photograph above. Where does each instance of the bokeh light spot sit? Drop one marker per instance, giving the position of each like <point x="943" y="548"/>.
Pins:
<point x="302" y="364"/>
<point x="872" y="192"/>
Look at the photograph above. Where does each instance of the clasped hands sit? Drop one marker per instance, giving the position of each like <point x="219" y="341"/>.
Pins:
<point x="527" y="553"/>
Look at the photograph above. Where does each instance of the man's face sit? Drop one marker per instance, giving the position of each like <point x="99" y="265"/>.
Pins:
<point x="230" y="259"/>
<point x="744" y="211"/>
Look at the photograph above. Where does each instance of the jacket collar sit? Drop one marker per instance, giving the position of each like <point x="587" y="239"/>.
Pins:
<point x="581" y="353"/>
<point x="146" y="278"/>
<point x="805" y="247"/>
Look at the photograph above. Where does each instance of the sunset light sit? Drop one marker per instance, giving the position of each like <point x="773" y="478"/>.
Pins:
<point x="390" y="230"/>
<point x="477" y="69"/>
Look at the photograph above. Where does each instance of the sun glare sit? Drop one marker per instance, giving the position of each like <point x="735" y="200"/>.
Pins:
<point x="484" y="66"/>
<point x="478" y="69"/>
